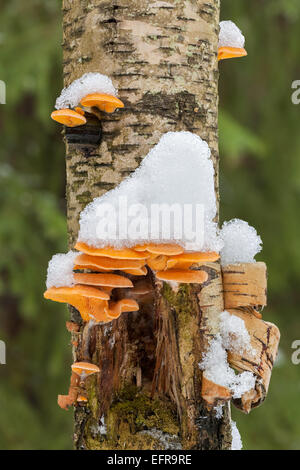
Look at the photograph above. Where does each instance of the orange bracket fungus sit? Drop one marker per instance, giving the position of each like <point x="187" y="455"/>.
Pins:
<point x="68" y="117"/>
<point x="102" y="279"/>
<point x="84" y="369"/>
<point x="95" y="263"/>
<point x="110" y="252"/>
<point x="107" y="103"/>
<point x="231" y="52"/>
<point x="92" y="90"/>
<point x="65" y="401"/>
<point x="89" y="301"/>
<point x="183" y="277"/>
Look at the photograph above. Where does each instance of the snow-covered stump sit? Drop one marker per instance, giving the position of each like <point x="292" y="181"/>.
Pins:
<point x="162" y="58"/>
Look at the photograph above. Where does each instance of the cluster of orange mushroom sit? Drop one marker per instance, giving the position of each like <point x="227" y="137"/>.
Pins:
<point x="95" y="276"/>
<point x="76" y="117"/>
<point x="96" y="283"/>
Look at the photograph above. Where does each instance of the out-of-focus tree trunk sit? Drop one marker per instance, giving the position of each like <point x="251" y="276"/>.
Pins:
<point x="162" y="56"/>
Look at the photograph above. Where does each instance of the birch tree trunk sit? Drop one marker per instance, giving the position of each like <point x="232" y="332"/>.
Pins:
<point x="162" y="56"/>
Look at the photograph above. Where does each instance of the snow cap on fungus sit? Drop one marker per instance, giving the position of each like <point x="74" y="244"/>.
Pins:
<point x="60" y="270"/>
<point x="161" y="179"/>
<point x="68" y="117"/>
<point x="89" y="83"/>
<point x="231" y="41"/>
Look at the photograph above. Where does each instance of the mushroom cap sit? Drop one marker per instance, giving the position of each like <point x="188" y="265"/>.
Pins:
<point x="84" y="261"/>
<point x="102" y="279"/>
<point x="137" y="271"/>
<point x="226" y="52"/>
<point x="85" y="368"/>
<point x="79" y="110"/>
<point x="110" y="252"/>
<point x="89" y="301"/>
<point x="182" y="276"/>
<point x="60" y="294"/>
<point x="107" y="103"/>
<point x="195" y="257"/>
<point x="157" y="262"/>
<point x="68" y="117"/>
<point x="81" y="398"/>
<point x="160" y="249"/>
<point x="121" y="306"/>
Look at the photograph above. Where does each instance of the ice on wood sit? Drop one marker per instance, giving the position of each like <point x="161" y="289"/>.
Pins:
<point x="236" y="443"/>
<point x="177" y="171"/>
<point x="241" y="242"/>
<point x="218" y="371"/>
<point x="230" y="35"/>
<point x="60" y="270"/>
<point x="87" y="84"/>
<point x="234" y="334"/>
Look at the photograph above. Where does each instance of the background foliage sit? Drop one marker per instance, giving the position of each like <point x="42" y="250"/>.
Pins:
<point x="260" y="182"/>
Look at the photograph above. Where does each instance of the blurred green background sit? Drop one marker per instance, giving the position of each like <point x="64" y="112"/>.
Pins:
<point x="260" y="182"/>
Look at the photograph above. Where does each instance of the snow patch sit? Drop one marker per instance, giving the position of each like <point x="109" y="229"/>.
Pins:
<point x="217" y="370"/>
<point x="236" y="437"/>
<point x="234" y="334"/>
<point x="219" y="411"/>
<point x="241" y="242"/>
<point x="91" y="82"/>
<point x="230" y="35"/>
<point x="178" y="171"/>
<point x="60" y="270"/>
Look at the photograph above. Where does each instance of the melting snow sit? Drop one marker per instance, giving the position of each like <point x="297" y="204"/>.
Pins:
<point x="89" y="83"/>
<point x="234" y="334"/>
<point x="230" y="35"/>
<point x="241" y="242"/>
<point x="217" y="370"/>
<point x="177" y="171"/>
<point x="236" y="437"/>
<point x="60" y="270"/>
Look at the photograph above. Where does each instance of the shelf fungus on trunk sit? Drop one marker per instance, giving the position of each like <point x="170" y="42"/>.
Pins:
<point x="245" y="285"/>
<point x="259" y="359"/>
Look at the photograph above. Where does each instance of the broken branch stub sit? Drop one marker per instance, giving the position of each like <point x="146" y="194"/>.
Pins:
<point x="259" y="359"/>
<point x="245" y="285"/>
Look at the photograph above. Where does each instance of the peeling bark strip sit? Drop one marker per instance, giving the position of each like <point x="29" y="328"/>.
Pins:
<point x="245" y="285"/>
<point x="264" y="342"/>
<point x="162" y="56"/>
